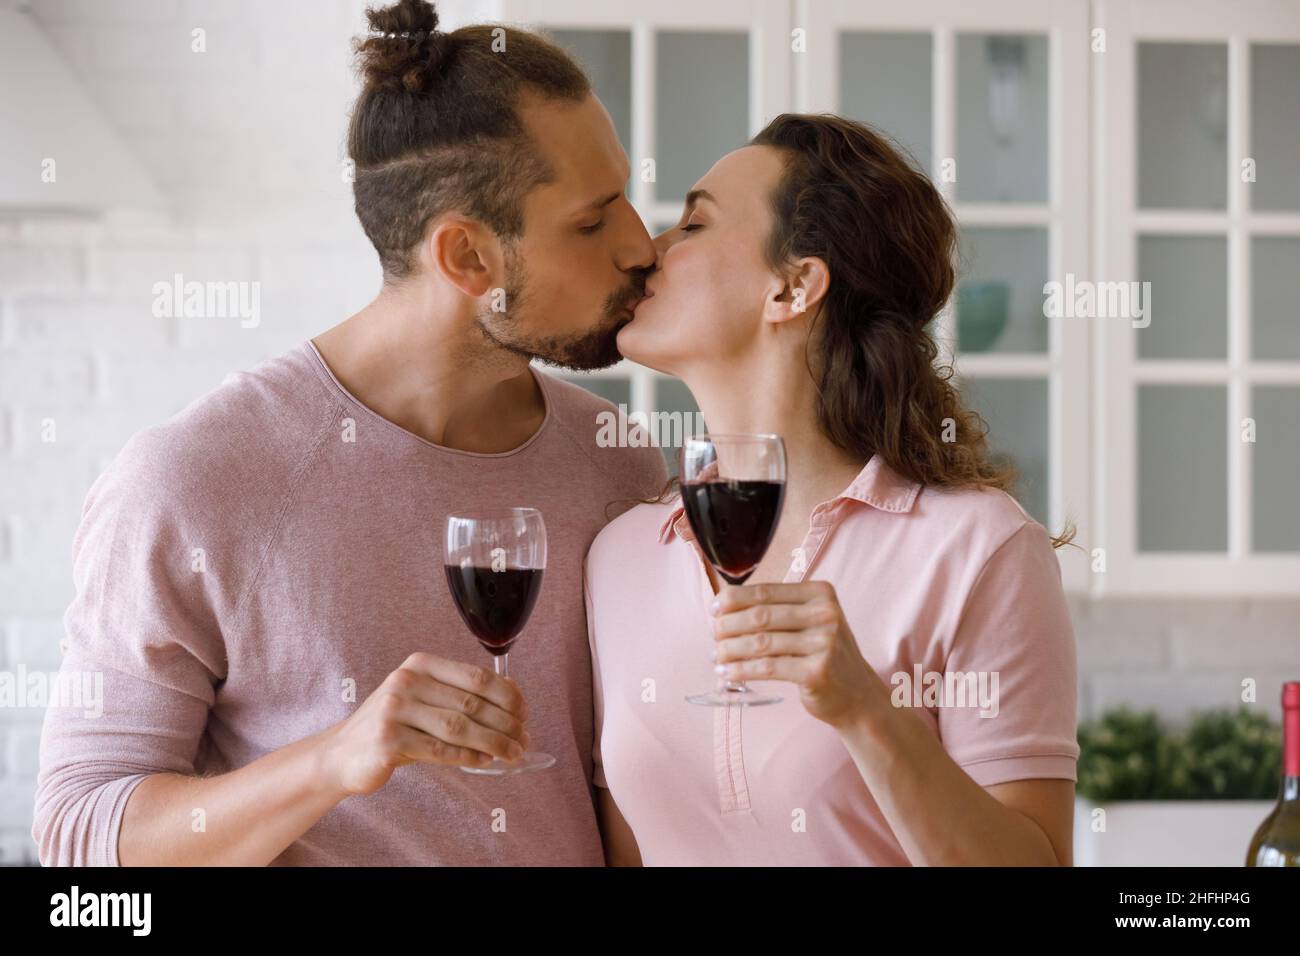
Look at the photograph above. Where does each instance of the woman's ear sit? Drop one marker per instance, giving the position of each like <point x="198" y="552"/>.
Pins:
<point x="802" y="291"/>
<point x="466" y="255"/>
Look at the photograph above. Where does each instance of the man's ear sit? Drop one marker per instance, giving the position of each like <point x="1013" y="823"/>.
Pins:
<point x="466" y="254"/>
<point x="802" y="290"/>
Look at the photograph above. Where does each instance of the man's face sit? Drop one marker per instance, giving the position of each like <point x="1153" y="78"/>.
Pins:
<point x="579" y="268"/>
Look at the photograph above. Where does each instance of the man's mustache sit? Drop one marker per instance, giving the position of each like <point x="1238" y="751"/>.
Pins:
<point x="626" y="297"/>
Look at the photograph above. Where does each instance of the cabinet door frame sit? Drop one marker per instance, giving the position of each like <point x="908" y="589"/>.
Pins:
<point x="1066" y="364"/>
<point x="1119" y="222"/>
<point x="1090" y="216"/>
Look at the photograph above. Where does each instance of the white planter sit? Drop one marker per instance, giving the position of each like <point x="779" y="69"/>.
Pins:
<point x="1166" y="832"/>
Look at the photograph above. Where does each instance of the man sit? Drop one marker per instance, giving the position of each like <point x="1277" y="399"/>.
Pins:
<point x="286" y="679"/>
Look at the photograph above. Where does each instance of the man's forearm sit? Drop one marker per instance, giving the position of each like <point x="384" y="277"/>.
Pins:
<point x="246" y="817"/>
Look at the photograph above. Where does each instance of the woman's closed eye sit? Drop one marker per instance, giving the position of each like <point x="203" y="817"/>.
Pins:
<point x="692" y="226"/>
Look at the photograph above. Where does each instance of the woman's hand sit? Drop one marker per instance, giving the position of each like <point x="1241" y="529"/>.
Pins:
<point x="797" y="633"/>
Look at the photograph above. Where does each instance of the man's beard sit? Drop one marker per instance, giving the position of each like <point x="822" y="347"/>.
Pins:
<point x="595" y="349"/>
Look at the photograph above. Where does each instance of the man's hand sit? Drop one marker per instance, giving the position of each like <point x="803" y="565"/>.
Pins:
<point x="430" y="709"/>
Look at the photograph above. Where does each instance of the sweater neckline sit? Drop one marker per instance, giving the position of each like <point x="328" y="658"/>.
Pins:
<point x="322" y="368"/>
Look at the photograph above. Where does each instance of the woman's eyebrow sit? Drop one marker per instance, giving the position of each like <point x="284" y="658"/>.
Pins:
<point x="695" y="195"/>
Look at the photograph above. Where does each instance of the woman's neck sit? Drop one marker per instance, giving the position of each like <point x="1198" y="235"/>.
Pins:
<point x="779" y="397"/>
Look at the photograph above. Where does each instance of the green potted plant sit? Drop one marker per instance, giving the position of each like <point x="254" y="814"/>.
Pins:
<point x="1152" y="796"/>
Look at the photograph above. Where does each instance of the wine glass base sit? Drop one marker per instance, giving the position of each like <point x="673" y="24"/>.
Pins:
<point x="525" y="764"/>
<point x="740" y="697"/>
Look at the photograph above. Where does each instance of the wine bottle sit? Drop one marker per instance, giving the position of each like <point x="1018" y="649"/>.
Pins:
<point x="1277" y="841"/>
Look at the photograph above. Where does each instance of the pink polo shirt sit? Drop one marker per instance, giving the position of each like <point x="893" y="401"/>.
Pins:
<point x="932" y="581"/>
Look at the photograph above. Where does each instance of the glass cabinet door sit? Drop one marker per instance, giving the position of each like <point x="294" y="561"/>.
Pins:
<point x="1201" y="461"/>
<point x="980" y="97"/>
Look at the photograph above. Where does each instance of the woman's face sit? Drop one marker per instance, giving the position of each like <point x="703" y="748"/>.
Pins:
<point x="706" y="297"/>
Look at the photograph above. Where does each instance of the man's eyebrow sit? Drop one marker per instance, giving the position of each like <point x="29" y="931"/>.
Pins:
<point x="600" y="203"/>
<point x="695" y="195"/>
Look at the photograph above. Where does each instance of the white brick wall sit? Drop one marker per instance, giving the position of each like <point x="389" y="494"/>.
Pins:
<point x="245" y="142"/>
<point x="1176" y="657"/>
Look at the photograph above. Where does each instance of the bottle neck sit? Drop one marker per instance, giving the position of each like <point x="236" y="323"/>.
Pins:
<point x="1291" y="753"/>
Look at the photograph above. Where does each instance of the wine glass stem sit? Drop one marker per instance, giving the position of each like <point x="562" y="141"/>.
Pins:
<point x="724" y="685"/>
<point x="502" y="664"/>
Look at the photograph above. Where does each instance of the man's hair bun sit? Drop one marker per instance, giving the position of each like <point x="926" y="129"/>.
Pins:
<point x="402" y="48"/>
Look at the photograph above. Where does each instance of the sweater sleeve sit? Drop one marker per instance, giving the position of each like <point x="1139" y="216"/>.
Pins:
<point x="143" y="653"/>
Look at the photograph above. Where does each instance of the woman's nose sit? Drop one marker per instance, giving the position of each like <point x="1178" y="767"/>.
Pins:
<point x="662" y="242"/>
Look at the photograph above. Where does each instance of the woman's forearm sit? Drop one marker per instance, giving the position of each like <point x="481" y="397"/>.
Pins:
<point x="940" y="816"/>
<point x="246" y="817"/>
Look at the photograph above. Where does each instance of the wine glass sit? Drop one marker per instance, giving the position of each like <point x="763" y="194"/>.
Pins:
<point x="494" y="561"/>
<point x="732" y="490"/>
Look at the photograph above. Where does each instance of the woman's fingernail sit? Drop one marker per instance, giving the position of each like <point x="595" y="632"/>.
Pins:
<point x="715" y="606"/>
<point x="713" y="654"/>
<point x="720" y="669"/>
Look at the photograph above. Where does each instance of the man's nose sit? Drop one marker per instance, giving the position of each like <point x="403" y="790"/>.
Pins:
<point x="639" y="252"/>
<point x="662" y="242"/>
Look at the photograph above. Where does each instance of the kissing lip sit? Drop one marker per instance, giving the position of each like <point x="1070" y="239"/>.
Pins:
<point x="635" y="302"/>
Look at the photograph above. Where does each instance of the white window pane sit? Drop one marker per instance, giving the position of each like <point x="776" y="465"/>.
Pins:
<point x="1001" y="118"/>
<point x="885" y="81"/>
<point x="1275" y="126"/>
<point x="1182" y="125"/>
<point x="1182" y="468"/>
<point x="606" y="55"/>
<point x="1017" y="413"/>
<point x="1276" y="468"/>
<point x="1188" y="305"/>
<point x="701" y="105"/>
<point x="1000" y="295"/>
<point x="1275" y="297"/>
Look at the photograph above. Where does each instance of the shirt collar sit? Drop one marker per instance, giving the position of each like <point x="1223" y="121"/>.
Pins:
<point x="876" y="484"/>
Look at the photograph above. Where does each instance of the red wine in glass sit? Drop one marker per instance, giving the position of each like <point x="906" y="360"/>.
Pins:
<point x="495" y="605"/>
<point x="734" y="521"/>
<point x="733" y="487"/>
<point x="494" y="561"/>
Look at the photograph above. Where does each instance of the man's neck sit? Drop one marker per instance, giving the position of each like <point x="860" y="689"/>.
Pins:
<point x="422" y="362"/>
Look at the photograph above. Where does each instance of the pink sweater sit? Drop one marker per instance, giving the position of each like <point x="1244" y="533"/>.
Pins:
<point x="241" y="566"/>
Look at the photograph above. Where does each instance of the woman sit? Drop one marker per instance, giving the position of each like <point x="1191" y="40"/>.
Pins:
<point x="793" y="297"/>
